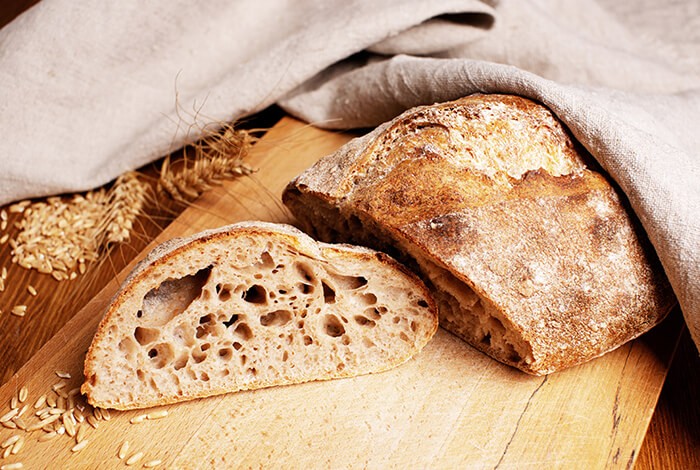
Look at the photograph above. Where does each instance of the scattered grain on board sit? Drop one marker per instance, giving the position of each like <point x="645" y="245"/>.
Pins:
<point x="23" y="394"/>
<point x="157" y="414"/>
<point x="12" y="466"/>
<point x="79" y="446"/>
<point x="134" y="458"/>
<point x="123" y="450"/>
<point x="19" y="310"/>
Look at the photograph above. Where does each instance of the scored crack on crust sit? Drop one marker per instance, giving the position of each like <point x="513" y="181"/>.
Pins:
<point x="253" y="305"/>
<point x="529" y="250"/>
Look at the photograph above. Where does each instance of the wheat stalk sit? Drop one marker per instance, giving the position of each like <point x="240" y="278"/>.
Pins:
<point x="217" y="157"/>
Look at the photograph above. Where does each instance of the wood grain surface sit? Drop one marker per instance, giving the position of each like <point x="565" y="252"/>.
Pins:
<point x="450" y="407"/>
<point x="672" y="440"/>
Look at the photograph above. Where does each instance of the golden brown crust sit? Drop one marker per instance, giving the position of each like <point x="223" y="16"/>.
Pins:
<point x="493" y="190"/>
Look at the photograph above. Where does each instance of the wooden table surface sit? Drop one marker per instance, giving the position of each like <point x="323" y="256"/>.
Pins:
<point x="673" y="437"/>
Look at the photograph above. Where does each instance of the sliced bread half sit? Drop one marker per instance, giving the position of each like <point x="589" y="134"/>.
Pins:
<point x="253" y="305"/>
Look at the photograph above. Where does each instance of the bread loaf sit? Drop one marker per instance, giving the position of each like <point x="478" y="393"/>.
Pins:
<point x="528" y="248"/>
<point x="253" y="305"/>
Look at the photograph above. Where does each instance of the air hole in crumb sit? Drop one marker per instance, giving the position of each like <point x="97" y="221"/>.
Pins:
<point x="253" y="371"/>
<point x="285" y="356"/>
<point x="198" y="356"/>
<point x="232" y="320"/>
<point x="349" y="282"/>
<point x="226" y="354"/>
<point x="128" y="346"/>
<point x="304" y="271"/>
<point x="161" y="355"/>
<point x="237" y="346"/>
<point x="256" y="294"/>
<point x="396" y="319"/>
<point x="369" y="299"/>
<point x="422" y="303"/>
<point x="332" y="326"/>
<point x="305" y="288"/>
<point x="368" y="343"/>
<point x="172" y="297"/>
<point x="205" y="319"/>
<point x="307" y="340"/>
<point x="204" y="377"/>
<point x="266" y="260"/>
<point x="225" y="293"/>
<point x="244" y="359"/>
<point x="486" y="340"/>
<point x="141" y="375"/>
<point x="243" y="331"/>
<point x="340" y="367"/>
<point x="373" y="313"/>
<point x="364" y="321"/>
<point x="276" y="318"/>
<point x="404" y="337"/>
<point x="205" y="346"/>
<point x="181" y="361"/>
<point x="146" y="335"/>
<point x="139" y="314"/>
<point x="414" y="326"/>
<point x="328" y="293"/>
<point x="346" y="340"/>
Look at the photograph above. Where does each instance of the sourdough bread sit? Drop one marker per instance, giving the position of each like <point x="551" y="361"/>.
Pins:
<point x="528" y="248"/>
<point x="253" y="305"/>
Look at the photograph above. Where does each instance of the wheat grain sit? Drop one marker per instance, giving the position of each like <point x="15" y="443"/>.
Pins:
<point x="14" y="403"/>
<point x="12" y="466"/>
<point x="80" y="446"/>
<point x="80" y="436"/>
<point x="47" y="436"/>
<point x="18" y="446"/>
<point x="19" y="422"/>
<point x="138" y="419"/>
<point x="157" y="414"/>
<point x="32" y="291"/>
<point x="123" y="450"/>
<point x="23" y="394"/>
<point x="19" y="310"/>
<point x="9" y="441"/>
<point x="40" y="402"/>
<point x="134" y="458"/>
<point x="63" y="375"/>
<point x="9" y="415"/>
<point x="152" y="463"/>
<point x="92" y="421"/>
<point x="6" y="453"/>
<point x="22" y="411"/>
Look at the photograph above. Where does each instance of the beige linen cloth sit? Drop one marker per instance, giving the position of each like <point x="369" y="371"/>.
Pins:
<point x="91" y="89"/>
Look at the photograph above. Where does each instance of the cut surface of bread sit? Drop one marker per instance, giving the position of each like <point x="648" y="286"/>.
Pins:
<point x="529" y="250"/>
<point x="253" y="305"/>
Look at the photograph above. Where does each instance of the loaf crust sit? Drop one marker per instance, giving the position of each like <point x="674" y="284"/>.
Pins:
<point x="529" y="249"/>
<point x="253" y="305"/>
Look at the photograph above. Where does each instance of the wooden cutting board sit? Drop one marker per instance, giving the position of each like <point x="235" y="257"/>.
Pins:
<point x="449" y="407"/>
